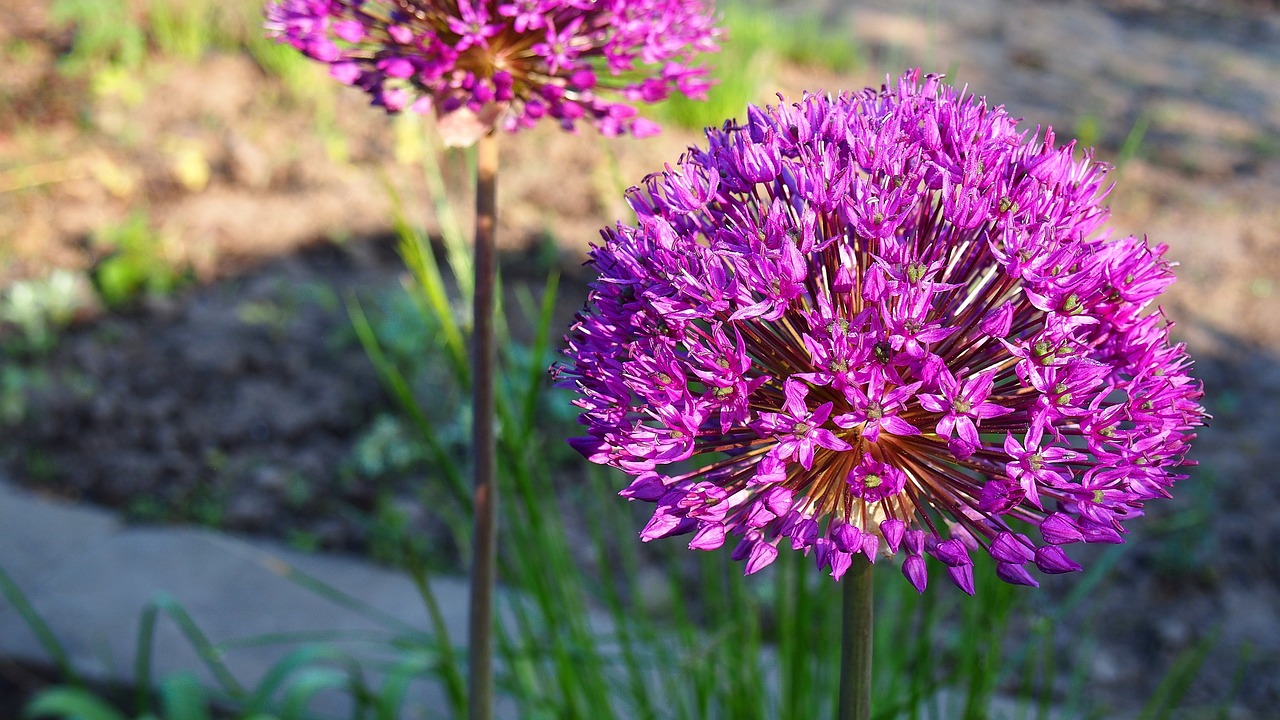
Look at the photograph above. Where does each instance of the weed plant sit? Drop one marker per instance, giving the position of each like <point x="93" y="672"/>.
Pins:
<point x="134" y="262"/>
<point x="34" y="312"/>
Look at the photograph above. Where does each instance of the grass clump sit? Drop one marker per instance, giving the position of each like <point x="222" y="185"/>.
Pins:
<point x="135" y="262"/>
<point x="117" y="35"/>
<point x="757" y="41"/>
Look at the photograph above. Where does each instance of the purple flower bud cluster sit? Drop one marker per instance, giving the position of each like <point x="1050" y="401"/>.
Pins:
<point x="884" y="323"/>
<point x="508" y="62"/>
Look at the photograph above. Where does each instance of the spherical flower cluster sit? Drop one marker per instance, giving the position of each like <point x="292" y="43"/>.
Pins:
<point x="884" y="323"/>
<point x="508" y="62"/>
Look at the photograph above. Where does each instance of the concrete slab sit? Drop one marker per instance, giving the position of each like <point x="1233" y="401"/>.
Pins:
<point x="92" y="579"/>
<point x="36" y="532"/>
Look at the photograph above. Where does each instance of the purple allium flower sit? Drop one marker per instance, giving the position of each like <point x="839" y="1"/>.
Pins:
<point x="884" y="322"/>
<point x="507" y="63"/>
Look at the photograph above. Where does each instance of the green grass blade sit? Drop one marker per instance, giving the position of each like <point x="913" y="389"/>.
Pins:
<point x="449" y="667"/>
<point x="456" y="240"/>
<point x="371" y="637"/>
<point x="429" y="288"/>
<point x="636" y="648"/>
<point x="535" y="373"/>
<point x="142" y="680"/>
<point x="343" y="599"/>
<point x="70" y="702"/>
<point x="279" y="673"/>
<point x="1237" y="681"/>
<point x="1133" y="141"/>
<point x="183" y="698"/>
<point x="1173" y="688"/>
<point x="396" y="384"/>
<point x="44" y="634"/>
<point x="311" y="681"/>
<point x="209" y="655"/>
<point x="389" y="701"/>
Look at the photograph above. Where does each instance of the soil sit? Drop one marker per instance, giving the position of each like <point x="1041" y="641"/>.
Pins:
<point x="197" y="405"/>
<point x="20" y="681"/>
<point x="242" y="399"/>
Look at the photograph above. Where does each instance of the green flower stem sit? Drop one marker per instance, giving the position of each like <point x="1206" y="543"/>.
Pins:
<point x="485" y="540"/>
<point x="855" y="647"/>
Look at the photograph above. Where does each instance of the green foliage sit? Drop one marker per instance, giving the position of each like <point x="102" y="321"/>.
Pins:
<point x="757" y="40"/>
<point x="113" y="38"/>
<point x="285" y="692"/>
<point x="181" y="697"/>
<point x="1185" y="550"/>
<point x="18" y="600"/>
<point x="39" y="310"/>
<point x="1090" y="133"/>
<point x="392" y="540"/>
<point x="1132" y="144"/>
<point x="386" y="448"/>
<point x="120" y="32"/>
<point x="33" y="315"/>
<point x="14" y="383"/>
<point x="72" y="703"/>
<point x="135" y="263"/>
<point x="1088" y="130"/>
<point x="184" y="29"/>
<point x="806" y="40"/>
<point x="105" y="34"/>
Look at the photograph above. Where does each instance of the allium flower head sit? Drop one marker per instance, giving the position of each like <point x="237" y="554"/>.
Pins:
<point x="885" y="323"/>
<point x="507" y="63"/>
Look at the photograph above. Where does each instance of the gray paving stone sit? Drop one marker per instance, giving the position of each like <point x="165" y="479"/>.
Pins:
<point x="35" y="532"/>
<point x="91" y="579"/>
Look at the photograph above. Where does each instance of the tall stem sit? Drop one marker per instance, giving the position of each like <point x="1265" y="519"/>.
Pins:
<point x="855" y="647"/>
<point x="485" y="540"/>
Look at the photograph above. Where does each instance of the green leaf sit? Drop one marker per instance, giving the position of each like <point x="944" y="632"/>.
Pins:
<point x="210" y="655"/>
<point x="1173" y="688"/>
<point x="44" y="634"/>
<point x="70" y="702"/>
<point x="183" y="698"/>
<point x="309" y="683"/>
<point x="296" y="663"/>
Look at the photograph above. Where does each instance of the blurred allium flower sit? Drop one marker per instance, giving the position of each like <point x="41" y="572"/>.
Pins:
<point x="887" y="322"/>
<point x="508" y="62"/>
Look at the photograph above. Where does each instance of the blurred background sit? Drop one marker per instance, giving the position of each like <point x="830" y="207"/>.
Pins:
<point x="187" y="211"/>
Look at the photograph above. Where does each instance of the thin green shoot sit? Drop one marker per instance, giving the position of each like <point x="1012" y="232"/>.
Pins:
<point x="44" y="634"/>
<point x="1133" y="141"/>
<point x="184" y="698"/>
<point x="1177" y="682"/>
<point x="449" y="666"/>
<point x="71" y="702"/>
<point x="105" y="35"/>
<point x="398" y="386"/>
<point x="181" y="29"/>
<point x="209" y="655"/>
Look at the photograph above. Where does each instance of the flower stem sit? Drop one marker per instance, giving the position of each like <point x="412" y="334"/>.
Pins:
<point x="485" y="539"/>
<point x="855" y="647"/>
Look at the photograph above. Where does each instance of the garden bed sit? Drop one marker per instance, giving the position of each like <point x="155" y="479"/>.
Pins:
<point x="227" y="387"/>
